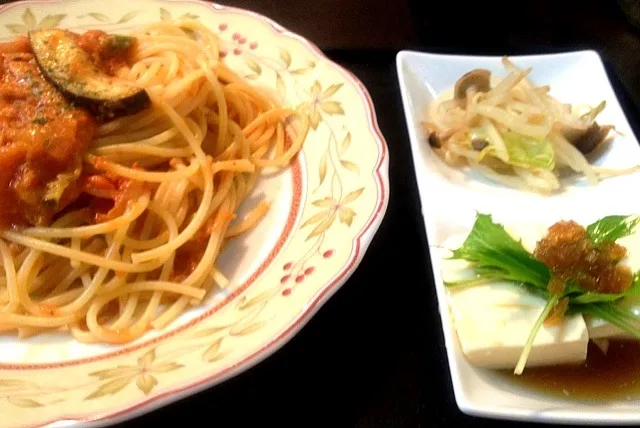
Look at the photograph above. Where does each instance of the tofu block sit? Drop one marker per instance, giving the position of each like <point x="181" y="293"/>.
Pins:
<point x="493" y="322"/>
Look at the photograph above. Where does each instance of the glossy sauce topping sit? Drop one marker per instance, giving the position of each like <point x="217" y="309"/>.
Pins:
<point x="569" y="254"/>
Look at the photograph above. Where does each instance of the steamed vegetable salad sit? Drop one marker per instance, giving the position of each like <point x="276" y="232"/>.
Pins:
<point x="514" y="132"/>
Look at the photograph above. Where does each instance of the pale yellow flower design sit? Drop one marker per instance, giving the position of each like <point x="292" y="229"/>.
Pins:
<point x="29" y="22"/>
<point x="332" y="209"/>
<point x="122" y="376"/>
<point x="321" y="103"/>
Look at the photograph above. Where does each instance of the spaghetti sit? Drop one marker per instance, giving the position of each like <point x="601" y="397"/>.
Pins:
<point x="176" y="172"/>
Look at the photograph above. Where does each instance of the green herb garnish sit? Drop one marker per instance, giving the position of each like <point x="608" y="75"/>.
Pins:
<point x="40" y="120"/>
<point x="118" y="43"/>
<point x="611" y="228"/>
<point x="495" y="255"/>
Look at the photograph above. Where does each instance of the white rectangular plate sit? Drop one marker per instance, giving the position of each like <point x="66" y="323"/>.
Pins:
<point x="450" y="199"/>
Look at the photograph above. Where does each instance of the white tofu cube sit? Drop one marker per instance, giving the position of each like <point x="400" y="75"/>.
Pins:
<point x="493" y="322"/>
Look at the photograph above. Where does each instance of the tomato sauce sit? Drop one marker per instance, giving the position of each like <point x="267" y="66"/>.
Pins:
<point x="109" y="52"/>
<point x="43" y="136"/>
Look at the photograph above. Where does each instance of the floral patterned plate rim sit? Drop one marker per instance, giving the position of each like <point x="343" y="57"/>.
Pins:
<point x="329" y="204"/>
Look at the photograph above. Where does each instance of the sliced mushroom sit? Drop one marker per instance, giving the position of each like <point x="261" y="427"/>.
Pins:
<point x="479" y="144"/>
<point x="587" y="140"/>
<point x="434" y="140"/>
<point x="479" y="79"/>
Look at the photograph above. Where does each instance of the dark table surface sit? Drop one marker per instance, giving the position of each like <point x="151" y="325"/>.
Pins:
<point x="374" y="356"/>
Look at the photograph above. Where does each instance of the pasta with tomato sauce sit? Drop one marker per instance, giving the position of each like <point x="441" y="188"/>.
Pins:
<point x="114" y="213"/>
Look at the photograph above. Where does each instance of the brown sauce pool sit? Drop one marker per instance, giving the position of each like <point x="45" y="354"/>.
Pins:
<point x="614" y="376"/>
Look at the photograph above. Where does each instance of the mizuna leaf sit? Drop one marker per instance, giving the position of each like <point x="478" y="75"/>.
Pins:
<point x="493" y="249"/>
<point x="611" y="228"/>
<point x="522" y="361"/>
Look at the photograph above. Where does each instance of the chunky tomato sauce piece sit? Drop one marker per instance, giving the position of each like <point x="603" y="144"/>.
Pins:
<point x="570" y="255"/>
<point x="44" y="137"/>
<point x="109" y="52"/>
<point x="189" y="255"/>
